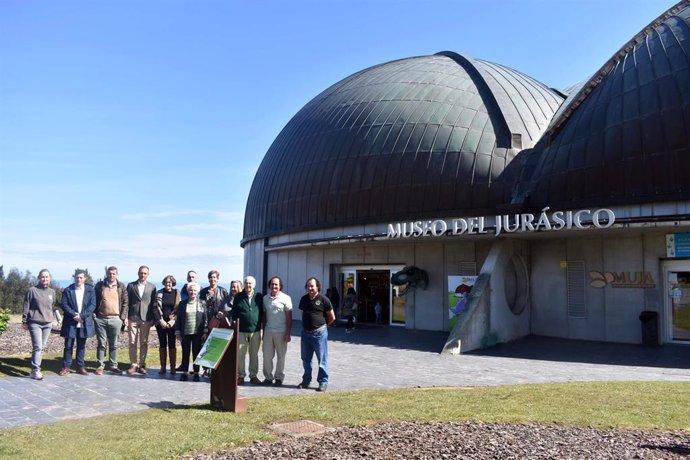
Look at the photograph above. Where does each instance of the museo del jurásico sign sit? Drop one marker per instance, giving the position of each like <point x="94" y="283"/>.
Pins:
<point x="507" y="223"/>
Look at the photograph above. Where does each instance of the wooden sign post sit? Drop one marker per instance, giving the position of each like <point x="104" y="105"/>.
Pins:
<point x="221" y="353"/>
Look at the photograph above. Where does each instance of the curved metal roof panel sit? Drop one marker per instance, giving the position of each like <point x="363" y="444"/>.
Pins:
<point x="625" y="137"/>
<point x="417" y="137"/>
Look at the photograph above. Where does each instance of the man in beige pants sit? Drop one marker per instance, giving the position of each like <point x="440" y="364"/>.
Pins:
<point x="248" y="307"/>
<point x="141" y="295"/>
<point x="277" y="330"/>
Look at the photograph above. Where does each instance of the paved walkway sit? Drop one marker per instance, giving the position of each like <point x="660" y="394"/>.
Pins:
<point x="369" y="358"/>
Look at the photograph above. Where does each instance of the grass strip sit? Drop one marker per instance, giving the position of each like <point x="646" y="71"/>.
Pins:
<point x="166" y="433"/>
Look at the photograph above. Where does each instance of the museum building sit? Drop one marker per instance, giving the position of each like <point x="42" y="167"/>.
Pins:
<point x="465" y="196"/>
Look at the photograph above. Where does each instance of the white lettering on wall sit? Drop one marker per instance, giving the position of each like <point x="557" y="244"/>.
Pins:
<point x="545" y="221"/>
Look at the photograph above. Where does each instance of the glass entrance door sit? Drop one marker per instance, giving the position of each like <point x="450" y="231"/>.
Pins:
<point x="678" y="283"/>
<point x="677" y="300"/>
<point x="372" y="285"/>
<point x="374" y="296"/>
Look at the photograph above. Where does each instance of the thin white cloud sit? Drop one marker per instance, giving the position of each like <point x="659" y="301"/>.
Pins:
<point x="204" y="228"/>
<point x="220" y="215"/>
<point x="163" y="252"/>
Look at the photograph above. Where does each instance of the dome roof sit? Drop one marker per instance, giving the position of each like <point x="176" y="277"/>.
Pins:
<point x="624" y="136"/>
<point x="422" y="136"/>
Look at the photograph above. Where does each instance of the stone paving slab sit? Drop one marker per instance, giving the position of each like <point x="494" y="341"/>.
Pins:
<point x="370" y="358"/>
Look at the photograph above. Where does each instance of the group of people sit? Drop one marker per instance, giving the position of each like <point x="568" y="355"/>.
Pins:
<point x="187" y="315"/>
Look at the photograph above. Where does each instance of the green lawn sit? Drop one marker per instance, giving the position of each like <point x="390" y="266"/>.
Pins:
<point x="164" y="433"/>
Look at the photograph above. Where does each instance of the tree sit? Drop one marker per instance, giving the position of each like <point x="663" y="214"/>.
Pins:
<point x="14" y="289"/>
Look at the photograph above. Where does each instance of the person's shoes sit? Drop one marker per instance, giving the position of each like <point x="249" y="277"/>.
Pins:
<point x="99" y="371"/>
<point x="115" y="370"/>
<point x="142" y="370"/>
<point x="254" y="381"/>
<point x="36" y="375"/>
<point x="82" y="371"/>
<point x="240" y="380"/>
<point x="303" y="386"/>
<point x="64" y="372"/>
<point x="278" y="383"/>
<point x="206" y="373"/>
<point x="161" y="371"/>
<point x="132" y="369"/>
<point x="267" y="382"/>
<point x="183" y="377"/>
<point x="322" y="387"/>
<point x="196" y="377"/>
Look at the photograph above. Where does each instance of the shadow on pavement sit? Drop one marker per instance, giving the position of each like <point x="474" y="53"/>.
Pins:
<point x="580" y="351"/>
<point x="384" y="336"/>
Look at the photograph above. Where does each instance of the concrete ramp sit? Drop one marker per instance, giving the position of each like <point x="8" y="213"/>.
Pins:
<point x="498" y="305"/>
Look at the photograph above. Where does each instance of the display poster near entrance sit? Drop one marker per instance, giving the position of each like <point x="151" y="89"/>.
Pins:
<point x="678" y="245"/>
<point x="459" y="287"/>
<point x="214" y="347"/>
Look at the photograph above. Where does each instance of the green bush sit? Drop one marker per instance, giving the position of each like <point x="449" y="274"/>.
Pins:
<point x="4" y="319"/>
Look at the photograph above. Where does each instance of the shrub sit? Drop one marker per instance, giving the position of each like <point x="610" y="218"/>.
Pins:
<point x="4" y="319"/>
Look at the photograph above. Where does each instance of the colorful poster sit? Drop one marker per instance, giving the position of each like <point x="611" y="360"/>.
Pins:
<point x="214" y="347"/>
<point x="459" y="287"/>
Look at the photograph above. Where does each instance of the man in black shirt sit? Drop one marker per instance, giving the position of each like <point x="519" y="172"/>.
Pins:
<point x="317" y="315"/>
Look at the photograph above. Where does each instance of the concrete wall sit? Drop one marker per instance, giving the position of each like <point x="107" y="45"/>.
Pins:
<point x="254" y="261"/>
<point x="612" y="314"/>
<point x="505" y="325"/>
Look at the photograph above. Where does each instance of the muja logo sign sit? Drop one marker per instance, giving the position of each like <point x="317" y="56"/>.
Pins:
<point x="643" y="280"/>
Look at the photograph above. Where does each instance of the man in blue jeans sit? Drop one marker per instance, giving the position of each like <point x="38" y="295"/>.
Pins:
<point x="317" y="315"/>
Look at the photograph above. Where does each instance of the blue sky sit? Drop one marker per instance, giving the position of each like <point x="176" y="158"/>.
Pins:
<point x="130" y="131"/>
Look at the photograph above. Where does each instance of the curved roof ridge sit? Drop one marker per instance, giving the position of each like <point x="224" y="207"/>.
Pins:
<point x="523" y="94"/>
<point x="469" y="65"/>
<point x="599" y="75"/>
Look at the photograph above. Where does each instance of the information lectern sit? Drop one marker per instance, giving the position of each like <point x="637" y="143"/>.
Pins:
<point x="220" y="353"/>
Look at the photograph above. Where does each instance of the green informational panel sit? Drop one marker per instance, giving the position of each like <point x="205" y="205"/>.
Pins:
<point x="214" y="347"/>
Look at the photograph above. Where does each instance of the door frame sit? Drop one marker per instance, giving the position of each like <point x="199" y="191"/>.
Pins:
<point x="392" y="268"/>
<point x="667" y="319"/>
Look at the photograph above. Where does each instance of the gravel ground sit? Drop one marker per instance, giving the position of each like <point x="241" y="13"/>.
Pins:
<point x="16" y="341"/>
<point x="409" y="440"/>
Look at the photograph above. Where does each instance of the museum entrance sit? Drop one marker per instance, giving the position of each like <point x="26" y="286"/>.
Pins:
<point x="677" y="277"/>
<point x="375" y="294"/>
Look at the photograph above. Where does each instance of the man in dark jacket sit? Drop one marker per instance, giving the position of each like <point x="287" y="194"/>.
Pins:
<point x="78" y="304"/>
<point x="141" y="296"/>
<point x="248" y="308"/>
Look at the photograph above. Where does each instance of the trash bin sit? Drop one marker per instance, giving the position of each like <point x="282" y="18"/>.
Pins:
<point x="650" y="327"/>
